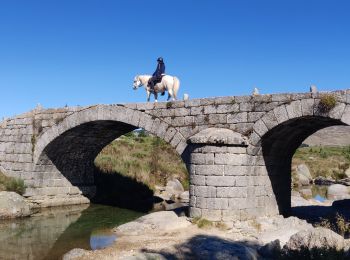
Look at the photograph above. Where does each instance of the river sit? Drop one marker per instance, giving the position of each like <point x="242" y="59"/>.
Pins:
<point x="52" y="232"/>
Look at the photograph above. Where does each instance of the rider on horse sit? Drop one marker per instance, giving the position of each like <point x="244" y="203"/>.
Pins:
<point x="157" y="75"/>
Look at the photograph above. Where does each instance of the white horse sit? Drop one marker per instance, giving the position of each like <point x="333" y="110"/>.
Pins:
<point x="169" y="83"/>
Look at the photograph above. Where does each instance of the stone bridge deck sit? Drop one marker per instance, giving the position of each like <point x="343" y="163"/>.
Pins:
<point x="238" y="150"/>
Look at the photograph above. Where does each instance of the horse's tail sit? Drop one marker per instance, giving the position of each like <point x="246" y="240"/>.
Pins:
<point x="176" y="86"/>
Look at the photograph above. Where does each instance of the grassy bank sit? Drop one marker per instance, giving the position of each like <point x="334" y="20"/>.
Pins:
<point x="144" y="158"/>
<point x="11" y="184"/>
<point x="323" y="160"/>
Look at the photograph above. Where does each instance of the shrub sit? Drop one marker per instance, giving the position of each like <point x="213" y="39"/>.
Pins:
<point x="327" y="102"/>
<point x="12" y="184"/>
<point x="202" y="222"/>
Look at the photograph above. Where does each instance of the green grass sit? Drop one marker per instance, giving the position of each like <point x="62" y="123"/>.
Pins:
<point x="145" y="158"/>
<point x="323" y="161"/>
<point x="11" y="184"/>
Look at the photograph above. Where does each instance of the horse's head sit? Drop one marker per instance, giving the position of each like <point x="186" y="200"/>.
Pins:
<point x="137" y="82"/>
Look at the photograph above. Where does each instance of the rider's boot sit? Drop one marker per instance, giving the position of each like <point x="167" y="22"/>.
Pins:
<point x="151" y="85"/>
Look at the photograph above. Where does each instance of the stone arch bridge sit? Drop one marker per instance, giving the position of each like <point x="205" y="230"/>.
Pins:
<point x="238" y="150"/>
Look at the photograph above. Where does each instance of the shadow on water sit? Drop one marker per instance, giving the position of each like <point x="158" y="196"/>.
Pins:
<point x="92" y="230"/>
<point x="212" y="247"/>
<point x="117" y="190"/>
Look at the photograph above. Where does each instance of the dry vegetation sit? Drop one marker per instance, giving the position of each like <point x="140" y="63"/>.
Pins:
<point x="143" y="157"/>
<point x="11" y="184"/>
<point x="323" y="160"/>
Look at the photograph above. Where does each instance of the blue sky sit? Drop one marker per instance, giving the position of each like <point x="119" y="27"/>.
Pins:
<point x="82" y="52"/>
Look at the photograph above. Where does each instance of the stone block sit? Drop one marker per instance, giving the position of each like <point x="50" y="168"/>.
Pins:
<point x="294" y="109"/>
<point x="246" y="107"/>
<point x="281" y="114"/>
<point x="231" y="192"/>
<point x="180" y="148"/>
<point x="211" y="109"/>
<point x="235" y="118"/>
<point x="202" y="158"/>
<point x="227" y="108"/>
<point x="201" y="202"/>
<point x="217" y="119"/>
<point x="264" y="107"/>
<point x="260" y="127"/>
<point x="254" y="116"/>
<point x="270" y="120"/>
<point x="237" y="203"/>
<point x="230" y="159"/>
<point x="210" y="170"/>
<point x="197" y="111"/>
<point x="217" y="203"/>
<point x="182" y="111"/>
<point x="233" y="170"/>
<point x="211" y="214"/>
<point x="195" y="212"/>
<point x="197" y="180"/>
<point x="220" y="181"/>
<point x="346" y="115"/>
<point x="307" y="106"/>
<point x="192" y="103"/>
<point x="337" y="111"/>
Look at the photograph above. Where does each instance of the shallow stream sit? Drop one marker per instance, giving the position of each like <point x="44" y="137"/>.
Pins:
<point x="52" y="232"/>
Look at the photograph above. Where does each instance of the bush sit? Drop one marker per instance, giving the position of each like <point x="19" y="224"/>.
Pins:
<point x="327" y="102"/>
<point x="12" y="184"/>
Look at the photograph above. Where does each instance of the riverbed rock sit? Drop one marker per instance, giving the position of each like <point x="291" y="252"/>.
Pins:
<point x="298" y="201"/>
<point x="185" y="196"/>
<point x="316" y="238"/>
<point x="271" y="250"/>
<point x="320" y="180"/>
<point x="278" y="227"/>
<point x="306" y="193"/>
<point x="303" y="180"/>
<point x="74" y="254"/>
<point x="13" y="205"/>
<point x="337" y="191"/>
<point x="347" y="172"/>
<point x="162" y="221"/>
<point x="304" y="170"/>
<point x="174" y="187"/>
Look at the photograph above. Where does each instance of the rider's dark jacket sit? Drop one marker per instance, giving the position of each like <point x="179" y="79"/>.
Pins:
<point x="160" y="70"/>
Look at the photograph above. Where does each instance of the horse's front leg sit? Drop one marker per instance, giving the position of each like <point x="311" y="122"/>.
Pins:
<point x="155" y="97"/>
<point x="148" y="95"/>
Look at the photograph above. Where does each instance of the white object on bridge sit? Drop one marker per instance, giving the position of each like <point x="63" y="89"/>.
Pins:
<point x="255" y="91"/>
<point x="186" y="97"/>
<point x="313" y="89"/>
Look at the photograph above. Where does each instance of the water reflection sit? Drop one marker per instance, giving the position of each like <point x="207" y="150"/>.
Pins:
<point x="51" y="233"/>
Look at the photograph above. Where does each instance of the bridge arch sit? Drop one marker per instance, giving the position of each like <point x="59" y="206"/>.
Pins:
<point x="64" y="154"/>
<point x="281" y="131"/>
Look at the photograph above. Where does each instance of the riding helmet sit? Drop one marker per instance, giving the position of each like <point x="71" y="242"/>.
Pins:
<point x="160" y="59"/>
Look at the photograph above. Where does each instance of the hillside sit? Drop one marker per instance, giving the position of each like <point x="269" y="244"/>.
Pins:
<point x="330" y="136"/>
<point x="144" y="158"/>
<point x="323" y="161"/>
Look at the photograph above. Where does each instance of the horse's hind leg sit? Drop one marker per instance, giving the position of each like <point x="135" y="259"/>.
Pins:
<point x="155" y="97"/>
<point x="170" y="94"/>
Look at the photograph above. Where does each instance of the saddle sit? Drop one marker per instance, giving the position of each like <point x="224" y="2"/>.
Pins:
<point x="158" y="79"/>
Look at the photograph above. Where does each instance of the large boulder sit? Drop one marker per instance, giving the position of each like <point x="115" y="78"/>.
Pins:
<point x="13" y="205"/>
<point x="162" y="221"/>
<point x="337" y="192"/>
<point x="174" y="187"/>
<point x="347" y="172"/>
<point x="304" y="170"/>
<point x="303" y="180"/>
<point x="316" y="238"/>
